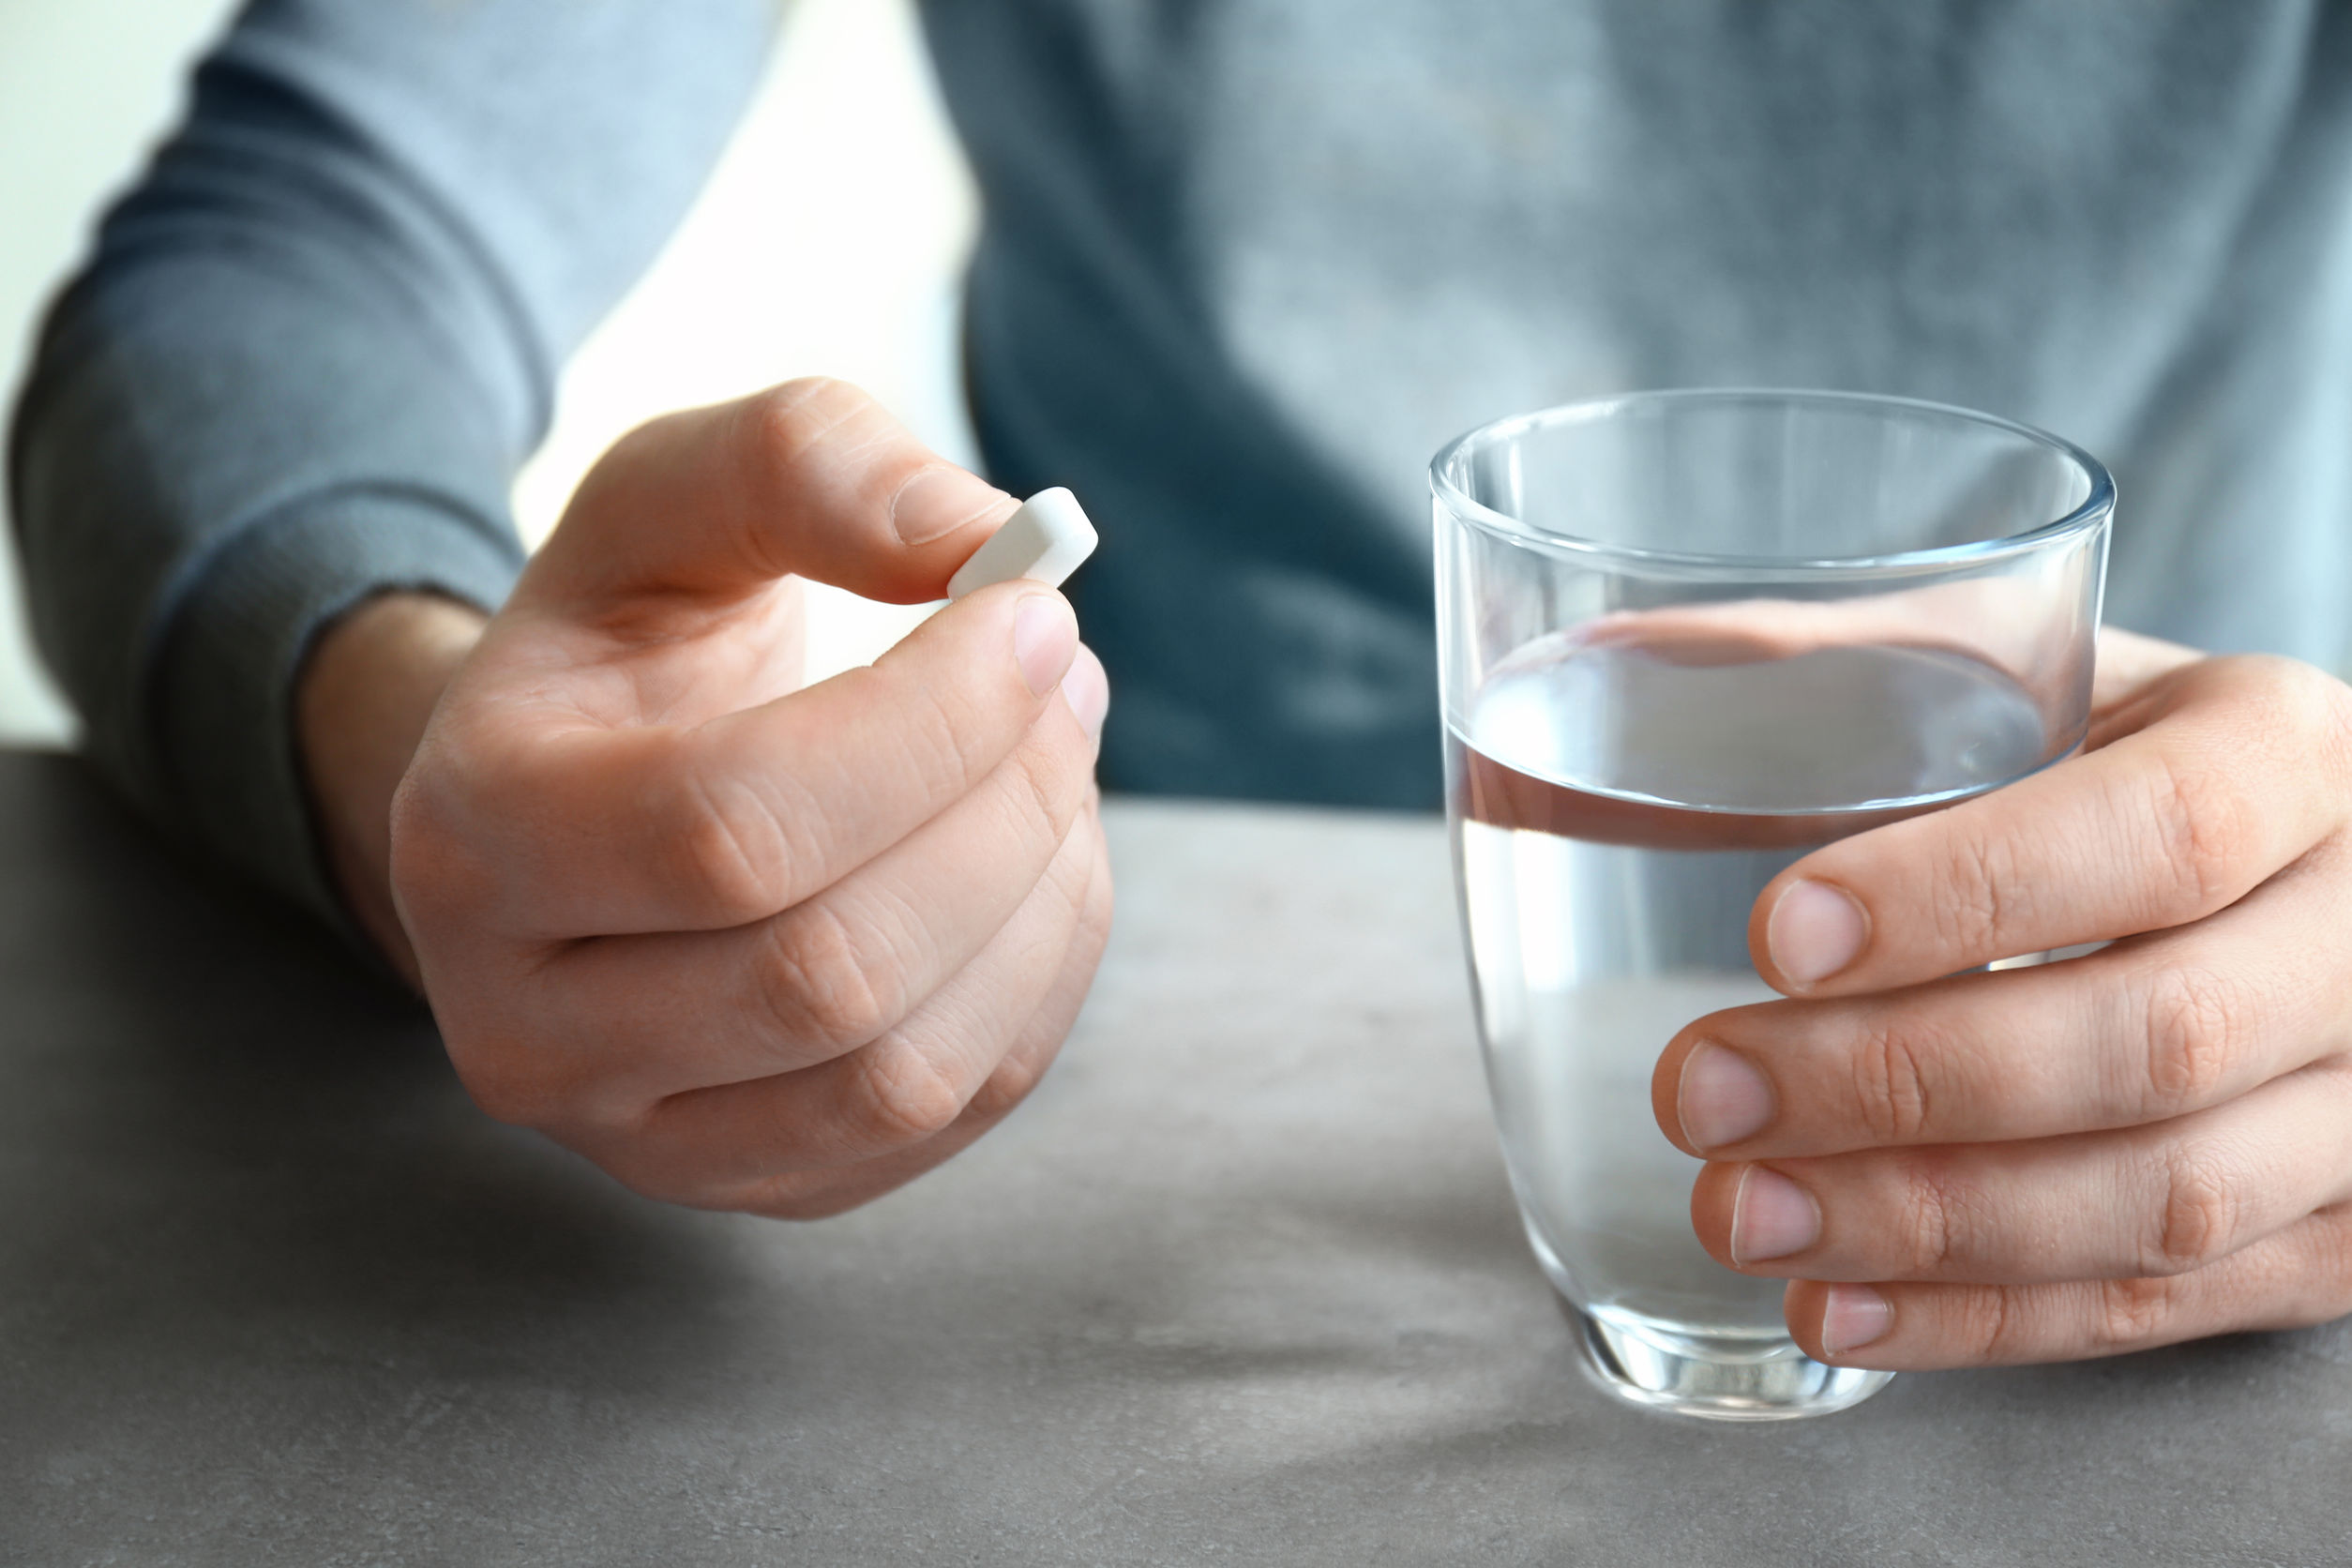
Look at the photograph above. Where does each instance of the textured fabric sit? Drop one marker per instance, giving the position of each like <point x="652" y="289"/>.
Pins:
<point x="1243" y="266"/>
<point x="1247" y="264"/>
<point x="316" y="342"/>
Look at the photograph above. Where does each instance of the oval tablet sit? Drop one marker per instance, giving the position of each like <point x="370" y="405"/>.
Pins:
<point x="1045" y="541"/>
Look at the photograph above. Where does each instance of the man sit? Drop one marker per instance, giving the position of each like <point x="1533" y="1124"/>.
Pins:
<point x="1243" y="266"/>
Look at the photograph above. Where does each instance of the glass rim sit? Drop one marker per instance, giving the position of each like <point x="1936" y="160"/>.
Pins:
<point x="1451" y="459"/>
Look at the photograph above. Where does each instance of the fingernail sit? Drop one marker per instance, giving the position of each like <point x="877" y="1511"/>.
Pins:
<point x="1815" y="930"/>
<point x="1855" y="1316"/>
<point x="1087" y="689"/>
<point x="937" y="500"/>
<point x="1772" y="1218"/>
<point x="1045" y="640"/>
<point x="1722" y="1098"/>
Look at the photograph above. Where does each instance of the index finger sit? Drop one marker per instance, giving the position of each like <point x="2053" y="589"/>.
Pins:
<point x="813" y="478"/>
<point x="2161" y="827"/>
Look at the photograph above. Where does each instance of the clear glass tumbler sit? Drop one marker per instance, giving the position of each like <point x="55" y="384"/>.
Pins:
<point x="1685" y="637"/>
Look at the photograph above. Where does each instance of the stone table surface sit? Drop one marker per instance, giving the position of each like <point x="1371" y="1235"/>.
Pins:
<point x="1241" y="1283"/>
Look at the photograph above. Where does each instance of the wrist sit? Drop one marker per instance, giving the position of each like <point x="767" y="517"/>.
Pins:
<point x="361" y="703"/>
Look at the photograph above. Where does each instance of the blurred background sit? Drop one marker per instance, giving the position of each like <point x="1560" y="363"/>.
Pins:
<point x="848" y="124"/>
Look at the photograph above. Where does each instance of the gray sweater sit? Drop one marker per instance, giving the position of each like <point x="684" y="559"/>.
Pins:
<point x="1245" y="264"/>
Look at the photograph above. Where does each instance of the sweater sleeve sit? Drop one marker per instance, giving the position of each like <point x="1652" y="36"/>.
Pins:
<point x="314" y="343"/>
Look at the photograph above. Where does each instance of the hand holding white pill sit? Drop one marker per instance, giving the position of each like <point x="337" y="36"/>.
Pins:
<point x="1045" y="541"/>
<point x="743" y="943"/>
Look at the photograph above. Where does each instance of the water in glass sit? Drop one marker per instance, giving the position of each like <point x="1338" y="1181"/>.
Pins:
<point x="1618" y="809"/>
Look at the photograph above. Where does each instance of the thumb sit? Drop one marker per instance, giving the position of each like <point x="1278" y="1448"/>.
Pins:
<point x="813" y="478"/>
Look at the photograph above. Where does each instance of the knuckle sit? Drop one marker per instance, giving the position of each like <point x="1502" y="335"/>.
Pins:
<point x="501" y="1089"/>
<point x="2130" y="1312"/>
<point x="1015" y="1079"/>
<point x="1892" y="1092"/>
<point x="2190" y="1019"/>
<point x="1047" y="791"/>
<point x="942" y="741"/>
<point x="541" y="1084"/>
<point x="821" y="437"/>
<point x="2199" y="1221"/>
<point x="2303" y="696"/>
<point x="1079" y="870"/>
<point x="428" y="867"/>
<point x="440" y="861"/>
<point x="2314" y="708"/>
<point x="1973" y="908"/>
<point x="2331" y="734"/>
<point x="903" y="1097"/>
<point x="817" y="983"/>
<point x="948" y="735"/>
<point x="2204" y="830"/>
<point x="738" y="858"/>
<point x="1988" y="1322"/>
<point x="1102" y="894"/>
<point x="791" y="422"/>
<point x="2326" y="1293"/>
<point x="1938" y="1218"/>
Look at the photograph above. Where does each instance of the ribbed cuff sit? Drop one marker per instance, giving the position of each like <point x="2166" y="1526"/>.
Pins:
<point x="222" y="682"/>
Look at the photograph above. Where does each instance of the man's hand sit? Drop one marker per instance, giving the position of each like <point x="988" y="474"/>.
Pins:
<point x="746" y="945"/>
<point x="2146" y="1144"/>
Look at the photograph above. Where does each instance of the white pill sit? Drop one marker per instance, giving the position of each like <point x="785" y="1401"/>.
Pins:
<point x="1045" y="541"/>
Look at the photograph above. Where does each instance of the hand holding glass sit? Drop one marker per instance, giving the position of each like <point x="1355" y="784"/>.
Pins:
<point x="1685" y="639"/>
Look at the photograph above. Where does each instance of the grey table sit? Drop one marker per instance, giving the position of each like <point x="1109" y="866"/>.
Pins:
<point x="1241" y="1283"/>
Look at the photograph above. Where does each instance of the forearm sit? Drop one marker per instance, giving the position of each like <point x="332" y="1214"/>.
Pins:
<point x="207" y="475"/>
<point x="361" y="704"/>
<point x="312" y="346"/>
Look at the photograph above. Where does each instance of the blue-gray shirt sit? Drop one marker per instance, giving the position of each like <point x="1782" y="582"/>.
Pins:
<point x="1243" y="264"/>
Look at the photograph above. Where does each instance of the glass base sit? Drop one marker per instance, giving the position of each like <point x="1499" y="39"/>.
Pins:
<point x="1715" y="1378"/>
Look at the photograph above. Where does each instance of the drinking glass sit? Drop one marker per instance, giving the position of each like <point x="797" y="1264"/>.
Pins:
<point x="1684" y="639"/>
